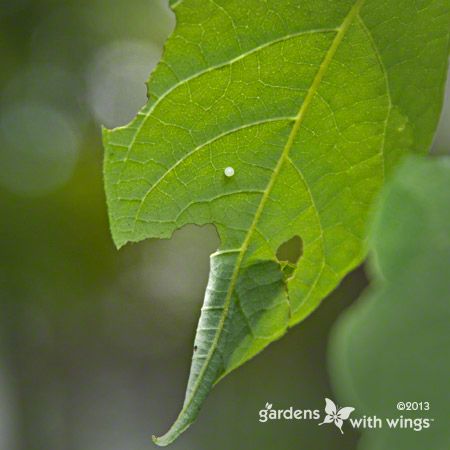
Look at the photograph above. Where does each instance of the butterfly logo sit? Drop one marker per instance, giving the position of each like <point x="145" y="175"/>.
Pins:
<point x="336" y="415"/>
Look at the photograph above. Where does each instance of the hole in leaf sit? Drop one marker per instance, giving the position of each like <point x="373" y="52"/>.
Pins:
<point x="290" y="251"/>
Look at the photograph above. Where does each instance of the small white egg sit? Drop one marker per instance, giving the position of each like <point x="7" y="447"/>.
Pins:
<point x="229" y="172"/>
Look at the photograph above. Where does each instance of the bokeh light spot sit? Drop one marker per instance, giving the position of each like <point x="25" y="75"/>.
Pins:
<point x="39" y="148"/>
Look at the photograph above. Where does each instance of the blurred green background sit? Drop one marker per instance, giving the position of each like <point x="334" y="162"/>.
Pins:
<point x="95" y="344"/>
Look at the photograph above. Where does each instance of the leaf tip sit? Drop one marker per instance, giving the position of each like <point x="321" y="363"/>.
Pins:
<point x="157" y="441"/>
<point x="165" y="440"/>
<point x="119" y="243"/>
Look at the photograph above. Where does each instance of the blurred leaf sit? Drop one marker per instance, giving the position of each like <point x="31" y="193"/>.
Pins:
<point x="310" y="103"/>
<point x="392" y="345"/>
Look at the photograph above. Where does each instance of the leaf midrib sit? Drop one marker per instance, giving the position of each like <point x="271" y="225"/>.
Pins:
<point x="342" y="30"/>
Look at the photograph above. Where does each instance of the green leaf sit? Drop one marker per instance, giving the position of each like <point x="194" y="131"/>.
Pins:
<point x="393" y="344"/>
<point x="311" y="103"/>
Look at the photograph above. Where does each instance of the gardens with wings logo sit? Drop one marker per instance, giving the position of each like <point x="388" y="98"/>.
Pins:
<point x="336" y="415"/>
